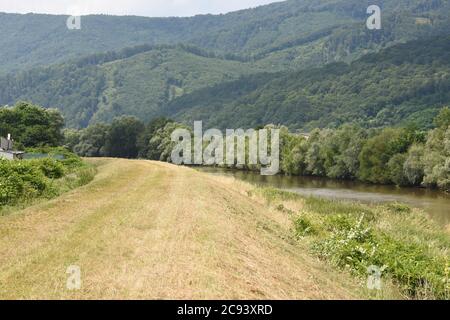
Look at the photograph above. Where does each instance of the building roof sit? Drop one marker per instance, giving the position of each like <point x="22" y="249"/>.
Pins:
<point x="12" y="152"/>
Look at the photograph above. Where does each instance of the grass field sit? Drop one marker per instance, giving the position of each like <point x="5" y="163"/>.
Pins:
<point x="149" y="230"/>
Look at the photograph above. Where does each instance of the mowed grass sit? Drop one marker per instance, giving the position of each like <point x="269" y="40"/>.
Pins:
<point x="148" y="230"/>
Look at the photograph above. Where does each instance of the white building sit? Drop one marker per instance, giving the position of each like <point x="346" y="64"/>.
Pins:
<point x="6" y="149"/>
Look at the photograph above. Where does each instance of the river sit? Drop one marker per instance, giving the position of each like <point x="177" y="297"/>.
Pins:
<point x="434" y="202"/>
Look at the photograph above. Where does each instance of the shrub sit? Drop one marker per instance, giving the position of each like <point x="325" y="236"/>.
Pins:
<point x="357" y="247"/>
<point x="11" y="188"/>
<point x="304" y="227"/>
<point x="85" y="175"/>
<point x="408" y="247"/>
<point x="20" y="180"/>
<point x="51" y="168"/>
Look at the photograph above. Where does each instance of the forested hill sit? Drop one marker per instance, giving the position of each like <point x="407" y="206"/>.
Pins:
<point x="137" y="81"/>
<point x="404" y="83"/>
<point x="294" y="33"/>
<point x="264" y="47"/>
<point x="407" y="82"/>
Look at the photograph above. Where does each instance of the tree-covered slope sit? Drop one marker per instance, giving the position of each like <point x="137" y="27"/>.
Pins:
<point x="407" y="82"/>
<point x="137" y="81"/>
<point x="279" y="38"/>
<point x="288" y="34"/>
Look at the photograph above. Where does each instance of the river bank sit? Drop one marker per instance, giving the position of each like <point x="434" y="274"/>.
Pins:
<point x="436" y="203"/>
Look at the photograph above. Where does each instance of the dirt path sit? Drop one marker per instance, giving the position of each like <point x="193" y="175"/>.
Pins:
<point x="151" y="230"/>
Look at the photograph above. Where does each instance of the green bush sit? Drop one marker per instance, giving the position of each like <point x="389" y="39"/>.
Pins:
<point x="357" y="247"/>
<point x="20" y="180"/>
<point x="11" y="187"/>
<point x="58" y="171"/>
<point x="51" y="168"/>
<point x="404" y="243"/>
<point x="304" y="227"/>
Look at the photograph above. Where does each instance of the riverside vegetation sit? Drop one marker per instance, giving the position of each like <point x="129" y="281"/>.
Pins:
<point x="409" y="249"/>
<point x="404" y="156"/>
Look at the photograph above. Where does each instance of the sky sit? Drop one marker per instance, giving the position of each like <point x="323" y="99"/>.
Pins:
<point x="150" y="8"/>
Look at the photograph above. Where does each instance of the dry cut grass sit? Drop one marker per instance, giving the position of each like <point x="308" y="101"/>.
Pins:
<point x="148" y="230"/>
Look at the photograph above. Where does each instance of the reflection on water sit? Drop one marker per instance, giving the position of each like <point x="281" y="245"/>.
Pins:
<point x="436" y="203"/>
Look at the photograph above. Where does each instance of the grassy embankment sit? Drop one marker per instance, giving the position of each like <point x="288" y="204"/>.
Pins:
<point x="144" y="229"/>
<point x="410" y="250"/>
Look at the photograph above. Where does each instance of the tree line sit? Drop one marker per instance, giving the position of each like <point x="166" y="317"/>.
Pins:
<point x="404" y="156"/>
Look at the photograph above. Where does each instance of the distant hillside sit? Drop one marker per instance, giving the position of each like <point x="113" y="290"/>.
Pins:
<point x="288" y="34"/>
<point x="266" y="48"/>
<point x="138" y="81"/>
<point x="407" y="82"/>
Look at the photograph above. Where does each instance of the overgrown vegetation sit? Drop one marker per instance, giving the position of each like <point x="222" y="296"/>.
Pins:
<point x="53" y="172"/>
<point x="404" y="244"/>
<point x="402" y="156"/>
<point x="47" y="170"/>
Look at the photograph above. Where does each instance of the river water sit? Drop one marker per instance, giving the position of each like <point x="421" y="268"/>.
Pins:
<point x="435" y="203"/>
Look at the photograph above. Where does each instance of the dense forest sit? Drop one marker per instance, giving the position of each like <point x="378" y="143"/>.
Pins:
<point x="136" y="81"/>
<point x="401" y="84"/>
<point x="294" y="32"/>
<point x="284" y="63"/>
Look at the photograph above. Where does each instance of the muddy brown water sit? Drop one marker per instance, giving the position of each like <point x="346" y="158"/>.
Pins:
<point x="434" y="202"/>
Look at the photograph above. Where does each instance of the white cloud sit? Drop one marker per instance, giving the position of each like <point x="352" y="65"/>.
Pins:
<point x="152" y="8"/>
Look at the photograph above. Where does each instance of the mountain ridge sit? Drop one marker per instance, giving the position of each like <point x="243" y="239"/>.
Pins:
<point x="35" y="40"/>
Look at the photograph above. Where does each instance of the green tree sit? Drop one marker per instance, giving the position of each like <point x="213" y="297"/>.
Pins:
<point x="437" y="157"/>
<point x="396" y="169"/>
<point x="32" y="125"/>
<point x="122" y="138"/>
<point x="293" y="149"/>
<point x="443" y="119"/>
<point x="161" y="145"/>
<point x="377" y="153"/>
<point x="148" y="133"/>
<point x="92" y="141"/>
